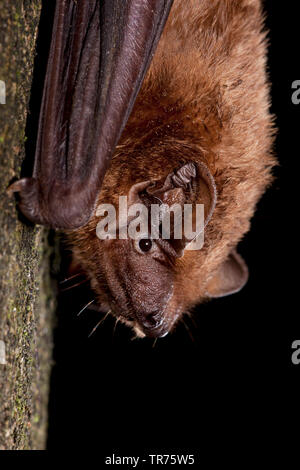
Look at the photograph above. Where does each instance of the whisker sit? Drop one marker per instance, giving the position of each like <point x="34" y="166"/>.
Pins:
<point x="114" y="330"/>
<point x="154" y="343"/>
<point x="98" y="324"/>
<point x="191" y="317"/>
<point x="86" y="306"/>
<point x="188" y="330"/>
<point x="75" y="285"/>
<point x="71" y="277"/>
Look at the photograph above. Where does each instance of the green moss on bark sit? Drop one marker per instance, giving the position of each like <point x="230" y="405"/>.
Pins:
<point x="26" y="299"/>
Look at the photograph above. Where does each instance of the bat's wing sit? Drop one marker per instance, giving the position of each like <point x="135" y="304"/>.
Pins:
<point x="99" y="54"/>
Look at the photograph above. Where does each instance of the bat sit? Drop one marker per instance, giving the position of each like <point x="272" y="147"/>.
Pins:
<point x="188" y="124"/>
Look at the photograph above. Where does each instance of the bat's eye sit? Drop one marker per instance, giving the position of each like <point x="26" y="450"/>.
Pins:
<point x="145" y="244"/>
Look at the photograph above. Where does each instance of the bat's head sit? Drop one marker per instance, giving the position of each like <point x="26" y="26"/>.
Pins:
<point x="139" y="284"/>
<point x="135" y="261"/>
<point x="139" y="260"/>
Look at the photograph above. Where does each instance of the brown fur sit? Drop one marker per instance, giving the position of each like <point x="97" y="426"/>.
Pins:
<point x="205" y="97"/>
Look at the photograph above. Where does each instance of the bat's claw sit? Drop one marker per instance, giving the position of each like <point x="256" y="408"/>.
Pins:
<point x="17" y="186"/>
<point x="27" y="190"/>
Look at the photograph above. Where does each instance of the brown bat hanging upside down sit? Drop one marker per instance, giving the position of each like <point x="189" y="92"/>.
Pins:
<point x="188" y="124"/>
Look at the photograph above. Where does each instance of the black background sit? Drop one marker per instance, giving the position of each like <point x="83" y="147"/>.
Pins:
<point x="227" y="377"/>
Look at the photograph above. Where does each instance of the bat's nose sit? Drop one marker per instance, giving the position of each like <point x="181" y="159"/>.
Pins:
<point x="152" y="321"/>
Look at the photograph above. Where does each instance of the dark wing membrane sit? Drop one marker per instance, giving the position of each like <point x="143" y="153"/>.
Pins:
<point x="99" y="54"/>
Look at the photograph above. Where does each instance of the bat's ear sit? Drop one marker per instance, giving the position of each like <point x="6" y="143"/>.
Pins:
<point x="230" y="278"/>
<point x="193" y="183"/>
<point x="190" y="184"/>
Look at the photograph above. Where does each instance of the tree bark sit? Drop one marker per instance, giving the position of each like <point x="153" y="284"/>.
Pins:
<point x="26" y="295"/>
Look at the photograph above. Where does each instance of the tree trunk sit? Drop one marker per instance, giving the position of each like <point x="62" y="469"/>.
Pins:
<point x="26" y="295"/>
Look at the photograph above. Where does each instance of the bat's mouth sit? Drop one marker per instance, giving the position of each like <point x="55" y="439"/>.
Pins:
<point x="155" y="332"/>
<point x="154" y="325"/>
<point x="151" y="323"/>
<point x="158" y="330"/>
